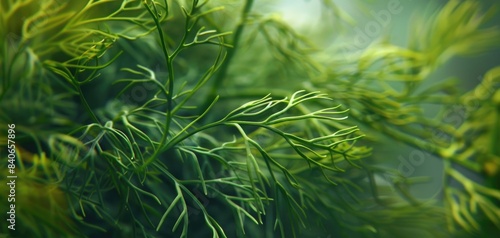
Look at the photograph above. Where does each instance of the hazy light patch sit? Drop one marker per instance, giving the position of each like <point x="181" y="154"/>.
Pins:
<point x="307" y="13"/>
<point x="300" y="14"/>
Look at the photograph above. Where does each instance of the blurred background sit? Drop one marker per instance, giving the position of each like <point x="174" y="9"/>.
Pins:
<point x="306" y="16"/>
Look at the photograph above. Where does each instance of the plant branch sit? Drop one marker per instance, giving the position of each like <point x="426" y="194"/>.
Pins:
<point x="219" y="79"/>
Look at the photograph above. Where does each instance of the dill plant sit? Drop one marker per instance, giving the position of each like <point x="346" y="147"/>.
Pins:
<point x="245" y="129"/>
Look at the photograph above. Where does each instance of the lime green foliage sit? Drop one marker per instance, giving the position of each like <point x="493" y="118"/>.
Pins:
<point x="165" y="119"/>
<point x="41" y="205"/>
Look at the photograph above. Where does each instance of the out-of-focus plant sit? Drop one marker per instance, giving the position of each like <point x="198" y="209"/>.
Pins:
<point x="243" y="127"/>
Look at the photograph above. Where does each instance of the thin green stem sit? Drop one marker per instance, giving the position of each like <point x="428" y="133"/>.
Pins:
<point x="219" y="79"/>
<point x="86" y="105"/>
<point x="170" y="88"/>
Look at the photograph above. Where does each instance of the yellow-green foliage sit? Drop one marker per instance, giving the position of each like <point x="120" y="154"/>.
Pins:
<point x="214" y="118"/>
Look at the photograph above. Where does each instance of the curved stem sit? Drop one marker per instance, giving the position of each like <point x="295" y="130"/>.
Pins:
<point x="219" y="79"/>
<point x="168" y="60"/>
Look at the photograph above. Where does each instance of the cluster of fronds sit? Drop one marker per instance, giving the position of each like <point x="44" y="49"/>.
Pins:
<point x="160" y="118"/>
